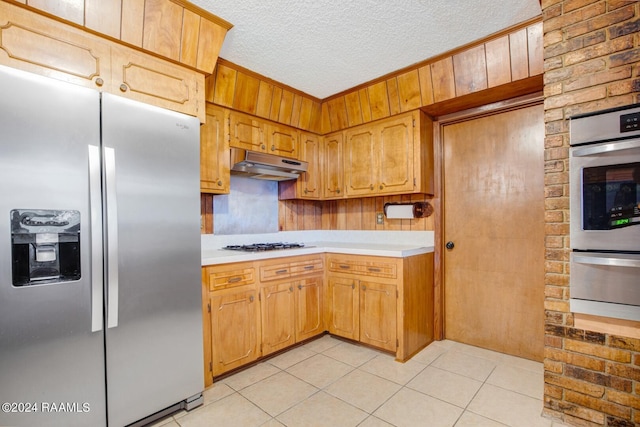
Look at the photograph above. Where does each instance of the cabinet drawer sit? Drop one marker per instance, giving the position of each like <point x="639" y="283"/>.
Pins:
<point x="290" y="269"/>
<point x="363" y="268"/>
<point x="310" y="266"/>
<point x="230" y="278"/>
<point x="273" y="272"/>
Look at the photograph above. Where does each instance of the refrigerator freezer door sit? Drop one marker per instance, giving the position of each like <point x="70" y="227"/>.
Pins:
<point x="51" y="363"/>
<point x="154" y="354"/>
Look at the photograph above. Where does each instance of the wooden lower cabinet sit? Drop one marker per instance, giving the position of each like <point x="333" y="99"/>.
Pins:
<point x="343" y="305"/>
<point x="309" y="297"/>
<point x="253" y="309"/>
<point x="235" y="328"/>
<point x="364" y="311"/>
<point x="378" y="311"/>
<point x="380" y="301"/>
<point x="278" y="317"/>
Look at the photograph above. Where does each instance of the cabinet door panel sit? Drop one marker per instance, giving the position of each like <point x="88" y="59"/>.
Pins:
<point x="234" y="320"/>
<point x="278" y="324"/>
<point x="33" y="43"/>
<point x="333" y="167"/>
<point x="360" y="162"/>
<point x="214" y="153"/>
<point x="154" y="81"/>
<point x="309" y="182"/>
<point x="378" y="307"/>
<point x="309" y="308"/>
<point x="246" y="132"/>
<point x="282" y="141"/>
<point x="344" y="303"/>
<point x="396" y="156"/>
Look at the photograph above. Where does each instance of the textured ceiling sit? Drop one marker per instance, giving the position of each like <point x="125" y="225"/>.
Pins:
<point x="323" y="47"/>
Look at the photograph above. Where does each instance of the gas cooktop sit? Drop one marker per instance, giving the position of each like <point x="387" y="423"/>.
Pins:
<point x="260" y="247"/>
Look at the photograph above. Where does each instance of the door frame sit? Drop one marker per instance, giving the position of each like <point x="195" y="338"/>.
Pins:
<point x="438" y="201"/>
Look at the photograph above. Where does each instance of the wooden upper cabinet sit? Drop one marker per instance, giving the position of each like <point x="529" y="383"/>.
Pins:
<point x="390" y="156"/>
<point x="246" y="132"/>
<point x="214" y="152"/>
<point x="40" y="45"/>
<point x="397" y="151"/>
<point x="173" y="29"/>
<point x="361" y="160"/>
<point x="282" y="140"/>
<point x="309" y="184"/>
<point x="332" y="166"/>
<point x="252" y="133"/>
<point x="144" y="78"/>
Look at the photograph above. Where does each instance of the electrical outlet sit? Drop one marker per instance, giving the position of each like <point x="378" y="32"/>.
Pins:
<point x="379" y="218"/>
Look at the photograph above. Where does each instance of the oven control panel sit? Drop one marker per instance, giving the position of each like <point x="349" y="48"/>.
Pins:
<point x="629" y="122"/>
<point x="606" y="125"/>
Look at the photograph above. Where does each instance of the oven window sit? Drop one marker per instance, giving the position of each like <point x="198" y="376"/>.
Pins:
<point x="611" y="196"/>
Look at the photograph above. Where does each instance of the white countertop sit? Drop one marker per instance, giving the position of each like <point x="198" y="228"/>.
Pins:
<point x="374" y="243"/>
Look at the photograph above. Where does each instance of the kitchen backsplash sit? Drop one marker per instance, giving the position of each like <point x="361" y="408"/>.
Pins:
<point x="251" y="207"/>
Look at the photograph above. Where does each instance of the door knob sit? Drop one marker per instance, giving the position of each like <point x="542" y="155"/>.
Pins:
<point x="450" y="245"/>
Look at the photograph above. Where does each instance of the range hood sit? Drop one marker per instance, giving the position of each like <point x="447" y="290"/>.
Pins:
<point x="257" y="165"/>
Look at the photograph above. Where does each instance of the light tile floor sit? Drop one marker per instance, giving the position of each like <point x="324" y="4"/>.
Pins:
<point x="333" y="383"/>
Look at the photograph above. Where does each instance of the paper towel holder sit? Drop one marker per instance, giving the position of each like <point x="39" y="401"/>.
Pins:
<point x="420" y="209"/>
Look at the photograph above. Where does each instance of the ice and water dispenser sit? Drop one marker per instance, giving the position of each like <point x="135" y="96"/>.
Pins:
<point x="45" y="246"/>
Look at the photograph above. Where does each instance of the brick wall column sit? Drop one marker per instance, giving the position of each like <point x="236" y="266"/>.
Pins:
<point x="592" y="62"/>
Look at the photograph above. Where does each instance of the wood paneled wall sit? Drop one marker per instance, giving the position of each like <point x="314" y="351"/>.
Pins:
<point x="349" y="214"/>
<point x="235" y="87"/>
<point x="510" y="62"/>
<point x="505" y="65"/>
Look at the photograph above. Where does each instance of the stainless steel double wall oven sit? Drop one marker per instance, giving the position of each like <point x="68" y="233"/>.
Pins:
<point x="604" y="162"/>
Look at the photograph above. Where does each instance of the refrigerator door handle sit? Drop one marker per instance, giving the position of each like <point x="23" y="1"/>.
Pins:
<point x="112" y="237"/>
<point x="95" y="210"/>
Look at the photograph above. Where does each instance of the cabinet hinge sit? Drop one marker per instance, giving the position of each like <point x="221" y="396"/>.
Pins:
<point x="414" y="181"/>
<point x="209" y="307"/>
<point x="397" y="343"/>
<point x="210" y="366"/>
<point x="397" y="294"/>
<point x="414" y="122"/>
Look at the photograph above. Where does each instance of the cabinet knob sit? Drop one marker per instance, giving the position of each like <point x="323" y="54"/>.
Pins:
<point x="263" y="146"/>
<point x="300" y="287"/>
<point x="306" y="191"/>
<point x="99" y="81"/>
<point x="338" y="191"/>
<point x="123" y="87"/>
<point x="273" y="148"/>
<point x="450" y="245"/>
<point x="371" y="187"/>
<point x="251" y="298"/>
<point x="381" y="186"/>
<point x="219" y="183"/>
<point x="290" y="288"/>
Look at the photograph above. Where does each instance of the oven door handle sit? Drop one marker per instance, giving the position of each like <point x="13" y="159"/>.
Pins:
<point x="606" y="261"/>
<point x="606" y="148"/>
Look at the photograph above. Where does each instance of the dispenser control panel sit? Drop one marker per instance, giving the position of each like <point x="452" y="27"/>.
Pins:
<point x="45" y="246"/>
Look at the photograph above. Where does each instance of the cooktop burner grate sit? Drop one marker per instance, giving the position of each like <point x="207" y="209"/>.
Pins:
<point x="260" y="247"/>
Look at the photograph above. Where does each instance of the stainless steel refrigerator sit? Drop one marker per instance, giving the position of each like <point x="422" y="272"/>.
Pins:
<point x="100" y="300"/>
